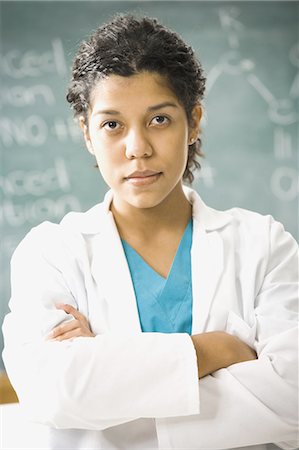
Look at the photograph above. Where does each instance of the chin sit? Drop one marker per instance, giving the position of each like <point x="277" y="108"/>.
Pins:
<point x="144" y="200"/>
<point x="143" y="204"/>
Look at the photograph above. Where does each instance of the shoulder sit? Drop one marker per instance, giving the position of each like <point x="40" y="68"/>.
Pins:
<point x="91" y="221"/>
<point x="233" y="218"/>
<point x="243" y="227"/>
<point x="250" y="221"/>
<point x="64" y="238"/>
<point x="257" y="230"/>
<point x="261" y="238"/>
<point x="259" y="226"/>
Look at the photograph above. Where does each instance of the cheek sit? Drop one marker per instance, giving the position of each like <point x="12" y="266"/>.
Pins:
<point x="108" y="161"/>
<point x="177" y="150"/>
<point x="174" y="137"/>
<point x="179" y="137"/>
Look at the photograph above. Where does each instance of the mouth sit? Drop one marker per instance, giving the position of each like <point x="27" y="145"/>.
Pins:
<point x="143" y="178"/>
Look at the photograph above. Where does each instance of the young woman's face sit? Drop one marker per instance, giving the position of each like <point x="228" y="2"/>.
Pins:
<point x="139" y="134"/>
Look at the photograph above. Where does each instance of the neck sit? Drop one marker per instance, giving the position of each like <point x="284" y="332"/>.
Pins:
<point x="173" y="214"/>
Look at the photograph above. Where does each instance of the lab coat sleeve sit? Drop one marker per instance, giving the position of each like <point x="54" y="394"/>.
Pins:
<point x="254" y="402"/>
<point x="87" y="383"/>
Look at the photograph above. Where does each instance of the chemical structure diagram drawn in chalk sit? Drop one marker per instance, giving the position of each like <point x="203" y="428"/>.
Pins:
<point x="282" y="112"/>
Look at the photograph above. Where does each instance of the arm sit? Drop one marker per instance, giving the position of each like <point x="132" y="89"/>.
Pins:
<point x="254" y="402"/>
<point x="83" y="382"/>
<point x="214" y="350"/>
<point x="218" y="350"/>
<point x="91" y="382"/>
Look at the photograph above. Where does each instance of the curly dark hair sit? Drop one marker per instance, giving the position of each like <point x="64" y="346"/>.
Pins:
<point x="128" y="45"/>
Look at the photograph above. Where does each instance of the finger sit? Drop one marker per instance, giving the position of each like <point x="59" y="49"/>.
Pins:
<point x="63" y="328"/>
<point x="69" y="309"/>
<point x="77" y="332"/>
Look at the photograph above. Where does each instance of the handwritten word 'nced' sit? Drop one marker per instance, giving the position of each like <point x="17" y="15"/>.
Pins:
<point x="18" y="65"/>
<point x="34" y="182"/>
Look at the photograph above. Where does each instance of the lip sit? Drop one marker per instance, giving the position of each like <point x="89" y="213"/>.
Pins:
<point x="142" y="174"/>
<point x="143" y="178"/>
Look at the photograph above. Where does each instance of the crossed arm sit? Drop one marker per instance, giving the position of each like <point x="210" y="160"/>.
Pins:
<point x="264" y="388"/>
<point x="214" y="350"/>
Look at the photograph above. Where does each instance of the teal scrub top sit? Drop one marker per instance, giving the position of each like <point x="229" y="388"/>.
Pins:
<point x="164" y="304"/>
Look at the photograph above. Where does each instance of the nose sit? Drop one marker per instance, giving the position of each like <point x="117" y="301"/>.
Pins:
<point x="137" y="145"/>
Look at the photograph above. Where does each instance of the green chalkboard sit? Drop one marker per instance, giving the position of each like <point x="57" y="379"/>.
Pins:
<point x="250" y="52"/>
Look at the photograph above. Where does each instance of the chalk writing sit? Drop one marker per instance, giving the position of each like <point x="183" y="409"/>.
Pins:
<point x="282" y="112"/>
<point x="34" y="182"/>
<point x="64" y="129"/>
<point x="21" y="96"/>
<point x="282" y="144"/>
<point x="18" y="65"/>
<point x="285" y="183"/>
<point x="34" y="130"/>
<point x="31" y="131"/>
<point x="35" y="211"/>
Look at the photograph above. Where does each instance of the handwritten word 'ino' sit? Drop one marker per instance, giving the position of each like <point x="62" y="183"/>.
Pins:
<point x="34" y="130"/>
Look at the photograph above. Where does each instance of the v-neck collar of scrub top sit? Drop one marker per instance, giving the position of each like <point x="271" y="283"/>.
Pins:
<point x="159" y="299"/>
<point x="108" y="264"/>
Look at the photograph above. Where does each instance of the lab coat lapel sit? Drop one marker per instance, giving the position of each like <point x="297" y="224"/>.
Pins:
<point x="110" y="271"/>
<point x="207" y="267"/>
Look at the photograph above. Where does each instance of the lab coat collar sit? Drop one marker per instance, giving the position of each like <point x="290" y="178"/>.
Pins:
<point x="110" y="270"/>
<point x="210" y="218"/>
<point x="91" y="222"/>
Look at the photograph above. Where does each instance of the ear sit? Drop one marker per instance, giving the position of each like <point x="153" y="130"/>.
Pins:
<point x="194" y="128"/>
<point x="84" y="128"/>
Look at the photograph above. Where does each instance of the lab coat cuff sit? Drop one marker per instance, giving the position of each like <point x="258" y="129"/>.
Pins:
<point x="190" y="375"/>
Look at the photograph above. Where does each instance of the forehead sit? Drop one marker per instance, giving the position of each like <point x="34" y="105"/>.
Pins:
<point x="144" y="87"/>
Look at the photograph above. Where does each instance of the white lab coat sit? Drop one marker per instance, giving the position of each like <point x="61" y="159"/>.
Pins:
<point x="132" y="390"/>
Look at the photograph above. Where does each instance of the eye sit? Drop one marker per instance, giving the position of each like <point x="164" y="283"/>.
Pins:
<point x="111" y="125"/>
<point x="160" y="120"/>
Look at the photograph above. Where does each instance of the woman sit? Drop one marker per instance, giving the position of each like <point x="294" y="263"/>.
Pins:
<point x="152" y="321"/>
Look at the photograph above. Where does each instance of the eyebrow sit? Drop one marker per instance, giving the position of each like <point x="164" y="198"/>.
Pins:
<point x="112" y="112"/>
<point x="162" y="105"/>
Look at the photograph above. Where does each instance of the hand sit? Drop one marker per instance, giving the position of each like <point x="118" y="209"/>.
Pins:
<point x="217" y="350"/>
<point x="75" y="328"/>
